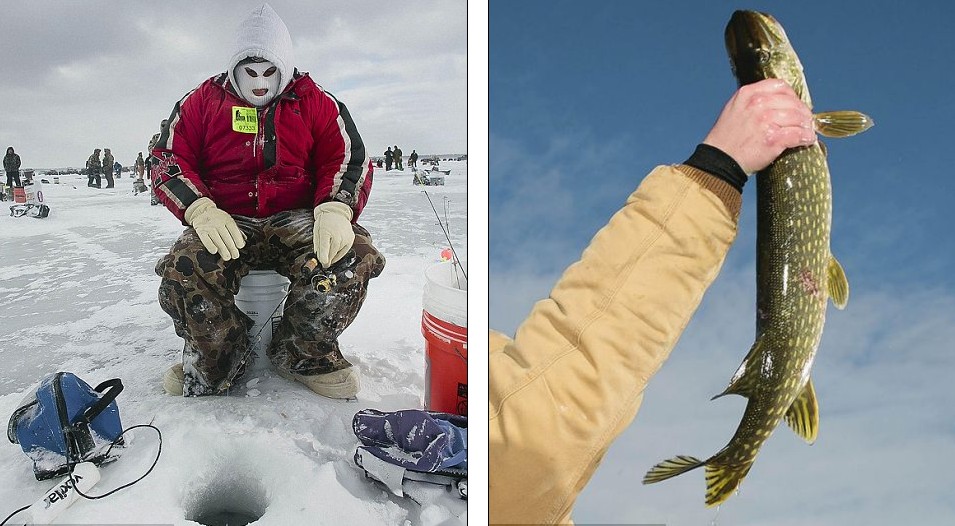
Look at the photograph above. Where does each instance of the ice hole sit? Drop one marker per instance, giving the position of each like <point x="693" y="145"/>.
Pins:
<point x="234" y="499"/>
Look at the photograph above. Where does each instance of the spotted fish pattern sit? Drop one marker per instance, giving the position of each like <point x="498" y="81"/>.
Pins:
<point x="796" y="275"/>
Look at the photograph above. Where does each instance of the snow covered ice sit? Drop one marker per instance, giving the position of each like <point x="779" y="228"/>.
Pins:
<point x="79" y="294"/>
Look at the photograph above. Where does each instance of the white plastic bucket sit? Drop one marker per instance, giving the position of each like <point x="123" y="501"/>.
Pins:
<point x="34" y="193"/>
<point x="444" y="323"/>
<point x="446" y="292"/>
<point x="259" y="295"/>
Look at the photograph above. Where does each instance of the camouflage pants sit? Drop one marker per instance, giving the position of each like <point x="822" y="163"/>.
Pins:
<point x="198" y="291"/>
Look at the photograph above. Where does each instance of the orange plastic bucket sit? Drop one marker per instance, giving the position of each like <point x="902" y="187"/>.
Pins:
<point x="19" y="195"/>
<point x="445" y="329"/>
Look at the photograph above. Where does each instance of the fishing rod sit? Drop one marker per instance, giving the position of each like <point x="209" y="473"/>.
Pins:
<point x="323" y="279"/>
<point x="447" y="236"/>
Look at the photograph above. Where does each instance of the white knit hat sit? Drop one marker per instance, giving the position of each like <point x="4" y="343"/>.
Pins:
<point x="264" y="34"/>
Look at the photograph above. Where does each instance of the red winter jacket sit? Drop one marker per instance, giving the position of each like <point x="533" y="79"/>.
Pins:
<point x="301" y="150"/>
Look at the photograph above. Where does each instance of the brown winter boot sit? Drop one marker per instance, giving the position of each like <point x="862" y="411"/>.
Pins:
<point x="173" y="379"/>
<point x="339" y="384"/>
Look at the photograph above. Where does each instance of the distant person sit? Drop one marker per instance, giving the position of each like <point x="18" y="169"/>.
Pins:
<point x="11" y="164"/>
<point x="379" y="163"/>
<point x="398" y="160"/>
<point x="140" y="166"/>
<point x="108" y="167"/>
<point x="413" y="159"/>
<point x="389" y="158"/>
<point x="152" y="142"/>
<point x="263" y="202"/>
<point x="117" y="169"/>
<point x="94" y="167"/>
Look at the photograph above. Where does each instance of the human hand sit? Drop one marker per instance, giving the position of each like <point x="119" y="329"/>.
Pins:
<point x="217" y="230"/>
<point x="333" y="235"/>
<point x="759" y="122"/>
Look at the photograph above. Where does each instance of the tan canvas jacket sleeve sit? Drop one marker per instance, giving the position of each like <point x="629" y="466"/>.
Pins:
<point x="573" y="377"/>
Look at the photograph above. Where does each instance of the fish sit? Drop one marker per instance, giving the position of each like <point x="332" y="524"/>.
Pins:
<point x="796" y="273"/>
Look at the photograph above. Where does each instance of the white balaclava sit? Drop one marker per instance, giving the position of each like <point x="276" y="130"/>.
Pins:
<point x="257" y="82"/>
<point x="265" y="37"/>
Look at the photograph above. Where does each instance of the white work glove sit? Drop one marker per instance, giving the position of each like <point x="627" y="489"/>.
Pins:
<point x="217" y="230"/>
<point x="333" y="235"/>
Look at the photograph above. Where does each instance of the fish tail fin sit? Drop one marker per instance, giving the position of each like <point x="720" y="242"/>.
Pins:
<point x="670" y="468"/>
<point x="722" y="480"/>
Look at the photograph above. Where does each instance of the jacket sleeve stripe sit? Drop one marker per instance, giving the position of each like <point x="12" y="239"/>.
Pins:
<point x="166" y="172"/>
<point x="180" y="190"/>
<point x="351" y="176"/>
<point x="168" y="135"/>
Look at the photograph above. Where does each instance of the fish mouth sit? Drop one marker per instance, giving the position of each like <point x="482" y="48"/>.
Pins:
<point x="751" y="37"/>
<point x="260" y="92"/>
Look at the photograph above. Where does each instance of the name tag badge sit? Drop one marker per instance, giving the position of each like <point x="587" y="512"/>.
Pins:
<point x="245" y="120"/>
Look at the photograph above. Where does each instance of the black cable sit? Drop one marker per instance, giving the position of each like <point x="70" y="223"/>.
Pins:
<point x="14" y="513"/>
<point x="107" y="494"/>
<point x="71" y="464"/>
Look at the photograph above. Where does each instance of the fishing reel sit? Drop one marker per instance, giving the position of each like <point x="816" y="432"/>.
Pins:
<point x="326" y="279"/>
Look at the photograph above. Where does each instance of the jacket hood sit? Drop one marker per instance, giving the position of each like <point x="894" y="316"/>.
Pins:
<point x="264" y="34"/>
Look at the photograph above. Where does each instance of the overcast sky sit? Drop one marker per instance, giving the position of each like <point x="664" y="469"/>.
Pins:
<point x="585" y="102"/>
<point x="79" y="75"/>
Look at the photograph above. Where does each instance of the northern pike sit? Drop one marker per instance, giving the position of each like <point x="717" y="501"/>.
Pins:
<point x="796" y="274"/>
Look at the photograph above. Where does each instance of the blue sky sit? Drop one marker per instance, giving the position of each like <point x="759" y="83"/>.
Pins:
<point x="585" y="101"/>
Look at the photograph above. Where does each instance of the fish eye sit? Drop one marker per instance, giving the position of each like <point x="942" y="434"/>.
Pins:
<point x="269" y="72"/>
<point x="762" y="56"/>
<point x="251" y="72"/>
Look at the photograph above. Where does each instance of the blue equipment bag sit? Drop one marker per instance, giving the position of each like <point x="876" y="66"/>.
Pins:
<point x="413" y="445"/>
<point x="65" y="422"/>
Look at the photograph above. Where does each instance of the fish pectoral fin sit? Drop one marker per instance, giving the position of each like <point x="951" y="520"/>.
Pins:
<point x="842" y="123"/>
<point x="723" y="480"/>
<point x="837" y="283"/>
<point x="670" y="468"/>
<point x="803" y="414"/>
<point x="745" y="379"/>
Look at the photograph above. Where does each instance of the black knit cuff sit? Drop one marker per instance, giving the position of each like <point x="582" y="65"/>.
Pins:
<point x="712" y="160"/>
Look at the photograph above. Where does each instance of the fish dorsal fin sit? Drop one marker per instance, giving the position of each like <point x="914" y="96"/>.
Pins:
<point x="842" y="123"/>
<point x="746" y="377"/>
<point x="838" y="284"/>
<point x="803" y="414"/>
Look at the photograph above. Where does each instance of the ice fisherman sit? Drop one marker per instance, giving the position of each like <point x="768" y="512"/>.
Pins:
<point x="152" y="143"/>
<point x="93" y="168"/>
<point x="573" y="377"/>
<point x="11" y="165"/>
<point x="140" y="166"/>
<point x="267" y="170"/>
<point x="397" y="153"/>
<point x="108" y="161"/>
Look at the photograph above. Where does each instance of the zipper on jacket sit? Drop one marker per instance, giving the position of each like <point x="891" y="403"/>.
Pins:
<point x="260" y="134"/>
